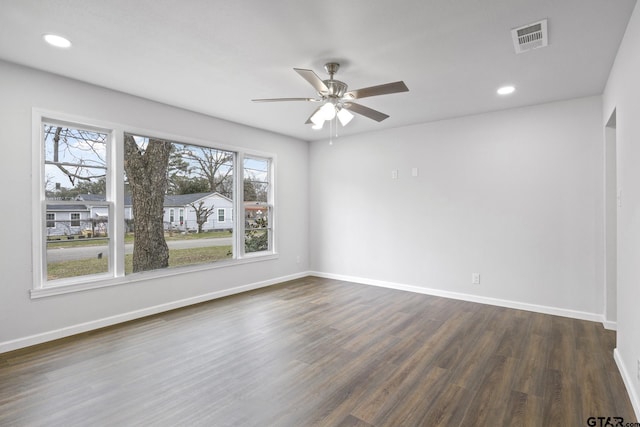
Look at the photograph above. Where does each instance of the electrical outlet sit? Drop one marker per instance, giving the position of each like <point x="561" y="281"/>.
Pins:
<point x="475" y="278"/>
<point x="638" y="374"/>
<point x="298" y="259"/>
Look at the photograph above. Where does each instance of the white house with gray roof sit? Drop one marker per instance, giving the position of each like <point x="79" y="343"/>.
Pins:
<point x="179" y="213"/>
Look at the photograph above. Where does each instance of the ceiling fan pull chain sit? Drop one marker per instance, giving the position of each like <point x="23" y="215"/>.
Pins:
<point x="330" y="132"/>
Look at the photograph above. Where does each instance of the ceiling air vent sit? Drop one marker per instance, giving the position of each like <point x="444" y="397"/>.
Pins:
<point x="532" y="36"/>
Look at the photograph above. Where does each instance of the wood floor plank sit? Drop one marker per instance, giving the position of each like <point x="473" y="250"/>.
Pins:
<point x="524" y="410"/>
<point x="321" y="352"/>
<point x="530" y="375"/>
<point x="448" y="409"/>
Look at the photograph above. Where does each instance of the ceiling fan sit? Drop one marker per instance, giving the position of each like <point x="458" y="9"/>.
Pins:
<point x="336" y="101"/>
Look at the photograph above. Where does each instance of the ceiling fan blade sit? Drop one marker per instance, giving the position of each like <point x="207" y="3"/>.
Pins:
<point x="285" y="99"/>
<point x="365" y="111"/>
<point x="384" y="89"/>
<point x="313" y="79"/>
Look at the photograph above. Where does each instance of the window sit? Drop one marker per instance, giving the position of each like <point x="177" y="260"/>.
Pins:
<point x="161" y="173"/>
<point x="51" y="220"/>
<point x="126" y="203"/>
<point x="75" y="172"/>
<point x="257" y="205"/>
<point x="75" y="219"/>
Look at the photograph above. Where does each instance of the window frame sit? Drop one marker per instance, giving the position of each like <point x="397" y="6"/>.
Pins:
<point x="40" y="202"/>
<point x="270" y="204"/>
<point x="114" y="201"/>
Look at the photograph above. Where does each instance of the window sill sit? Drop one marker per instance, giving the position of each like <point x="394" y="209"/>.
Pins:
<point x="73" y="285"/>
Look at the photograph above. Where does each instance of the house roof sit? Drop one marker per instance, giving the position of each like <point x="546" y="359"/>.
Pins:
<point x="173" y="200"/>
<point x="91" y="197"/>
<point x="67" y="208"/>
<point x="255" y="206"/>
<point x="186" y="199"/>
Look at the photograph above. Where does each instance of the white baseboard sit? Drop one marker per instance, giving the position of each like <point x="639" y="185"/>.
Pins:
<point x="574" y="314"/>
<point x="628" y="383"/>
<point x="608" y="324"/>
<point x="125" y="317"/>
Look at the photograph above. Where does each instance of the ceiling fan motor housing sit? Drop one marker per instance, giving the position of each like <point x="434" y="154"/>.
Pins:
<point x="337" y="89"/>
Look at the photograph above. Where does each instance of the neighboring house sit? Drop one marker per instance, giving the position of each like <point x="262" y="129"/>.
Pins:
<point x="180" y="211"/>
<point x="253" y="213"/>
<point x="179" y="214"/>
<point x="67" y="220"/>
<point x="98" y="211"/>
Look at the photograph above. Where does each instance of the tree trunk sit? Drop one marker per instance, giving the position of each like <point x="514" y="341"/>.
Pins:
<point x="147" y="174"/>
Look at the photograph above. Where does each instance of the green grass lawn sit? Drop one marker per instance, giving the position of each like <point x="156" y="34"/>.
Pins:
<point x="129" y="238"/>
<point x="177" y="258"/>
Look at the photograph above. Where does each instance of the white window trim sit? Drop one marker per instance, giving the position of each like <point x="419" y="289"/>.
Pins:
<point x="39" y="202"/>
<point x="115" y="203"/>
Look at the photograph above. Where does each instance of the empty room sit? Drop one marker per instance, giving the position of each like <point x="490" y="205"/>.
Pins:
<point x="338" y="213"/>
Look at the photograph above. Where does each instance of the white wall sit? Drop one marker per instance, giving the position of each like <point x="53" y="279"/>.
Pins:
<point x="515" y="195"/>
<point x="25" y="321"/>
<point x="622" y="94"/>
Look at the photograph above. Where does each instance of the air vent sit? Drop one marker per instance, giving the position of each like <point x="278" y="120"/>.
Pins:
<point x="529" y="37"/>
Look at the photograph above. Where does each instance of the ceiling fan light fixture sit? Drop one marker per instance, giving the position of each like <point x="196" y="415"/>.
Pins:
<point x="328" y="111"/>
<point x="317" y="126"/>
<point x="344" y="116"/>
<point x="317" y="118"/>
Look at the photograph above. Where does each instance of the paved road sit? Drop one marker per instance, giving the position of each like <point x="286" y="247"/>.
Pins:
<point x="86" y="252"/>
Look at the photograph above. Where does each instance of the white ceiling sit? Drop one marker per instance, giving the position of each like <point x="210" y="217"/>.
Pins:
<point x="213" y="56"/>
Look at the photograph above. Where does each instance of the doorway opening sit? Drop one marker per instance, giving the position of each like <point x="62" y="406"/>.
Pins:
<point x="612" y="201"/>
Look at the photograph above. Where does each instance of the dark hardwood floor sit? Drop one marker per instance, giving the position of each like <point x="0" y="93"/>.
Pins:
<point x="321" y="352"/>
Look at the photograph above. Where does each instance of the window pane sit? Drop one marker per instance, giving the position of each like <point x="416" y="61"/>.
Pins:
<point x="193" y="184"/>
<point x="75" y="162"/>
<point x="257" y="228"/>
<point x="256" y="182"/>
<point x="76" y="250"/>
<point x="76" y="210"/>
<point x="257" y="208"/>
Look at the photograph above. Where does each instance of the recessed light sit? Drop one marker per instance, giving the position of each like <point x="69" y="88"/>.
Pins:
<point x="506" y="90"/>
<point x="57" y="41"/>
